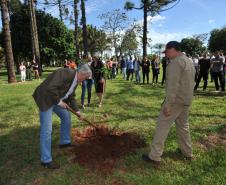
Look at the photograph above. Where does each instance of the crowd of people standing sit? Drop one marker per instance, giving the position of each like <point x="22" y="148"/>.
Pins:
<point x="215" y="66"/>
<point x="208" y="64"/>
<point x="138" y="70"/>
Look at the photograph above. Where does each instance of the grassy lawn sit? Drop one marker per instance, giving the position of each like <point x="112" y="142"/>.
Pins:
<point x="130" y="107"/>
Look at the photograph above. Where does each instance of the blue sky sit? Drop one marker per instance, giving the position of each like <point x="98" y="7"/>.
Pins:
<point x="189" y="17"/>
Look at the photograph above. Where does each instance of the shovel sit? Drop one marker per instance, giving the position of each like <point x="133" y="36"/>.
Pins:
<point x="87" y="121"/>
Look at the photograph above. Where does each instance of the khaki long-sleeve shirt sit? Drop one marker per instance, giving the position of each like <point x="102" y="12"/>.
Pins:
<point x="180" y="75"/>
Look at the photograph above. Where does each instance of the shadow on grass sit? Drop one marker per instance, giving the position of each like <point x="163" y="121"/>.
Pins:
<point x="3" y="73"/>
<point x="208" y="115"/>
<point x="174" y="154"/>
<point x="19" y="151"/>
<point x="209" y="93"/>
<point x="19" y="154"/>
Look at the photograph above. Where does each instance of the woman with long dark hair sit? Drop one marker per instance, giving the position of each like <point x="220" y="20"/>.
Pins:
<point x="97" y="67"/>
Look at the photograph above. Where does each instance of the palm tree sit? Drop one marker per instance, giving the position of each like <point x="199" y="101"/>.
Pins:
<point x="7" y="42"/>
<point x="84" y="30"/>
<point x="152" y="7"/>
<point x="76" y="27"/>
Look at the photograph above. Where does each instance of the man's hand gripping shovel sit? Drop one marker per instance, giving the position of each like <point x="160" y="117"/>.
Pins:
<point x="83" y="119"/>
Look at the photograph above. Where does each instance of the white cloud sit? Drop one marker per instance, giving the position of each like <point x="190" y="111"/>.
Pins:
<point x="156" y="18"/>
<point x="161" y="37"/>
<point x="211" y="21"/>
<point x="151" y="19"/>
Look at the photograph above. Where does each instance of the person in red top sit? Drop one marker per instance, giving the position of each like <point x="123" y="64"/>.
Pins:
<point x="72" y="65"/>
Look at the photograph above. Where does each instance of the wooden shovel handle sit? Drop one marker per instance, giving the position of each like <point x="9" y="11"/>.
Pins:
<point x="87" y="121"/>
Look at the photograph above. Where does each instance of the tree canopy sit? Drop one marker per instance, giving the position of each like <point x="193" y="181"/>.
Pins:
<point x="192" y="46"/>
<point x="56" y="41"/>
<point x="217" y="40"/>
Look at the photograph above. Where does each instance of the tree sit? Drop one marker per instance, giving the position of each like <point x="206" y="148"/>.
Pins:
<point x="76" y="28"/>
<point x="34" y="35"/>
<point x="14" y="6"/>
<point x="114" y="23"/>
<point x="151" y="7"/>
<point x="202" y="37"/>
<point x="129" y="43"/>
<point x="217" y="40"/>
<point x="192" y="46"/>
<point x="159" y="47"/>
<point x="84" y="30"/>
<point x="7" y="42"/>
<point x="97" y="40"/>
<point x="2" y="57"/>
<point x="56" y="41"/>
<point x="62" y="7"/>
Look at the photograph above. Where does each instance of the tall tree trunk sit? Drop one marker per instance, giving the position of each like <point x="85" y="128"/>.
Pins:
<point x="84" y="31"/>
<point x="76" y="28"/>
<point x="114" y="43"/>
<point x="34" y="35"/>
<point x="7" y="42"/>
<point x="145" y="30"/>
<point x="60" y="10"/>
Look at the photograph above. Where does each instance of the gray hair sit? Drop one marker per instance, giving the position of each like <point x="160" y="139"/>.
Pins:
<point x="84" y="68"/>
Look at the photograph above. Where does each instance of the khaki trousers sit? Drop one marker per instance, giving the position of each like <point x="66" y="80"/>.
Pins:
<point x="180" y="116"/>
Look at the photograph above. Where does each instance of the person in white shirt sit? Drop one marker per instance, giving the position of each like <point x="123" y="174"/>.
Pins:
<point x="22" y="72"/>
<point x="196" y="65"/>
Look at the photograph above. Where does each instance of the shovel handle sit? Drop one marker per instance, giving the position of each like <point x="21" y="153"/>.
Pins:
<point x="87" y="121"/>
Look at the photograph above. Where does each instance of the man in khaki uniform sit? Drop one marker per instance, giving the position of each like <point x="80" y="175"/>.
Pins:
<point x="180" y="83"/>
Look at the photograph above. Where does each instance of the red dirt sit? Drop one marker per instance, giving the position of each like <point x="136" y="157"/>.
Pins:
<point x="213" y="140"/>
<point x="100" y="149"/>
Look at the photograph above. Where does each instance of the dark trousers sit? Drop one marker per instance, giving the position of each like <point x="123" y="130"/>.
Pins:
<point x="130" y="72"/>
<point x="211" y="75"/>
<point x="146" y="73"/>
<point x="196" y="73"/>
<point x="220" y="76"/>
<point x="155" y="73"/>
<point x="86" y="84"/>
<point x="163" y="76"/>
<point x="29" y="74"/>
<point x="201" y="75"/>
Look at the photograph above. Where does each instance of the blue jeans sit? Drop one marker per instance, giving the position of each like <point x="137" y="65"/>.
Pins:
<point x="46" y="130"/>
<point x="86" y="84"/>
<point x="137" y="74"/>
<point x="124" y="72"/>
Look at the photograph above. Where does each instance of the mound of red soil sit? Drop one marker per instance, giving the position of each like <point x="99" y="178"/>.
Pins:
<point x="100" y="148"/>
<point x="214" y="140"/>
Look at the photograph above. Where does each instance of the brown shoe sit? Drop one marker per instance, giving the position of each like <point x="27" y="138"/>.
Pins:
<point x="51" y="165"/>
<point x="146" y="158"/>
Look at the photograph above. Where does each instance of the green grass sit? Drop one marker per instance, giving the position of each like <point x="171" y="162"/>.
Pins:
<point x="129" y="107"/>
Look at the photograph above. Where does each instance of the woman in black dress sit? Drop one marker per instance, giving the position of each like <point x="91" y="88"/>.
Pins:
<point x="145" y="69"/>
<point x="97" y="67"/>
